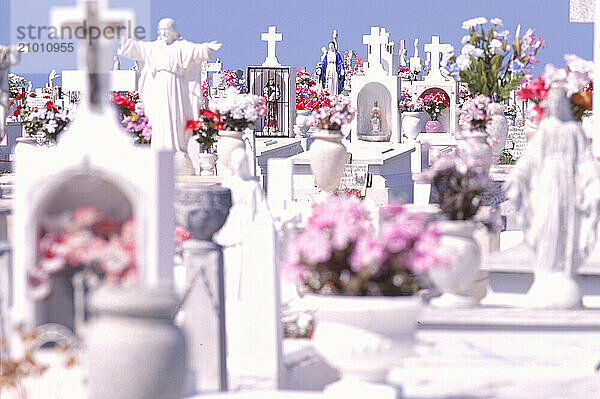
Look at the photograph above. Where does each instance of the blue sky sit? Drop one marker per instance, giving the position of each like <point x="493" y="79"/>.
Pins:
<point x="307" y="26"/>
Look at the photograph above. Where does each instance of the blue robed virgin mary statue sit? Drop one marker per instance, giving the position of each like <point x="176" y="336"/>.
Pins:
<point x="331" y="70"/>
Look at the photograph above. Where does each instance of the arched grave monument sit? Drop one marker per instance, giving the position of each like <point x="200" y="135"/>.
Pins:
<point x="435" y="80"/>
<point x="93" y="165"/>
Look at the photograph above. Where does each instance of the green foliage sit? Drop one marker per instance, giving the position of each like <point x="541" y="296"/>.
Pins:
<point x="494" y="69"/>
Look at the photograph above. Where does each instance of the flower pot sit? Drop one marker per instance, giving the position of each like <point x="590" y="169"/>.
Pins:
<point x="133" y="348"/>
<point x="327" y="159"/>
<point x="301" y="117"/>
<point x="364" y="336"/>
<point x="497" y="129"/>
<point x="228" y="142"/>
<point x="464" y="258"/>
<point x="411" y="124"/>
<point x="207" y="163"/>
<point x="434" y="127"/>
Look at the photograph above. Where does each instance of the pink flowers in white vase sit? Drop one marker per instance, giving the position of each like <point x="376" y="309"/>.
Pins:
<point x="339" y="251"/>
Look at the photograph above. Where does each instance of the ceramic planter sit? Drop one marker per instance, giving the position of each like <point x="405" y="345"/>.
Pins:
<point x="133" y="349"/>
<point x="327" y="159"/>
<point x="464" y="258"/>
<point x="411" y="124"/>
<point x="365" y="336"/>
<point x="228" y="142"/>
<point x="207" y="163"/>
<point x="434" y="127"/>
<point x="301" y="116"/>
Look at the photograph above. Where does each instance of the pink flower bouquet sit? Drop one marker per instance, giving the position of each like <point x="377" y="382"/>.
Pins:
<point x="340" y="253"/>
<point x="88" y="240"/>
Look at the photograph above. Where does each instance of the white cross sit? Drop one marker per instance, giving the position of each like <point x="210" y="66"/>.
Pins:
<point x="96" y="60"/>
<point x="216" y="66"/>
<point x="335" y="39"/>
<point x="272" y="37"/>
<point x="403" y="52"/>
<point x="377" y="37"/>
<point x="436" y="49"/>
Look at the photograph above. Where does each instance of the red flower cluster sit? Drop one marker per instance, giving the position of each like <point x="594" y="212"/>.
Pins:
<point x="205" y="115"/>
<point x="123" y="102"/>
<point x="51" y="107"/>
<point x="20" y="97"/>
<point x="535" y="91"/>
<point x="307" y="98"/>
<point x="437" y="98"/>
<point x="17" y="111"/>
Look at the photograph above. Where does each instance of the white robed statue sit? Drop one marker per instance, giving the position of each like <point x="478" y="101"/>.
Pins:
<point x="556" y="189"/>
<point x="170" y="63"/>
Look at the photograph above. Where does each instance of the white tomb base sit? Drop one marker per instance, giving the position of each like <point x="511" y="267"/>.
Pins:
<point x="391" y="168"/>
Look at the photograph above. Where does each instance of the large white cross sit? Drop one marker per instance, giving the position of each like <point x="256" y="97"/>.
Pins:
<point x="96" y="52"/>
<point x="374" y="40"/>
<point x="272" y="37"/>
<point x="435" y="48"/>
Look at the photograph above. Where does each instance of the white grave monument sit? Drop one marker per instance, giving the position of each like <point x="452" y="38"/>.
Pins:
<point x="434" y="80"/>
<point x="254" y="339"/>
<point x="278" y="84"/>
<point x="380" y="84"/>
<point x="278" y="139"/>
<point x="391" y="163"/>
<point x="110" y="174"/>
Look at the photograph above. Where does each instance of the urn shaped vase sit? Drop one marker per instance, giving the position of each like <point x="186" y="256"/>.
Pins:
<point x="464" y="258"/>
<point x="411" y="124"/>
<point x="134" y="350"/>
<point x="327" y="159"/>
<point x="229" y="141"/>
<point x="364" y="337"/>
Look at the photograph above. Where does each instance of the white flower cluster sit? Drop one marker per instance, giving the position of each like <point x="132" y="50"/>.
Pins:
<point x="235" y="105"/>
<point x="475" y="22"/>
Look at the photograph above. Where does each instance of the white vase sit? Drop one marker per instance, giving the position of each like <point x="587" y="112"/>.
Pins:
<point x="133" y="349"/>
<point x="364" y="337"/>
<point x="411" y="124"/>
<point x="327" y="159"/>
<point x="456" y="279"/>
<point x="207" y="163"/>
<point x="498" y="129"/>
<point x="301" y="117"/>
<point x="228" y="142"/>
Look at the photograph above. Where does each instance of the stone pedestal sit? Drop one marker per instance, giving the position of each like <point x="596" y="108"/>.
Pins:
<point x="204" y="310"/>
<point x="202" y="210"/>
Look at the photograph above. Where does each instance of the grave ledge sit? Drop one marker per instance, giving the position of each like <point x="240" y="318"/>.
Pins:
<point x="490" y="317"/>
<point x="199" y="180"/>
<point x="516" y="260"/>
